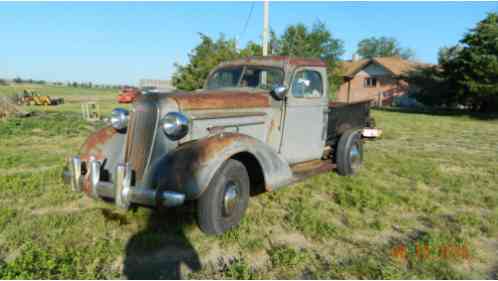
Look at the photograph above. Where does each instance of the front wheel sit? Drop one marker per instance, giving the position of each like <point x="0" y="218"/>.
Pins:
<point x="223" y="204"/>
<point x="349" y="157"/>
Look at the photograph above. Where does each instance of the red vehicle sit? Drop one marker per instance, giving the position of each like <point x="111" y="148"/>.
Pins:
<point x="128" y="95"/>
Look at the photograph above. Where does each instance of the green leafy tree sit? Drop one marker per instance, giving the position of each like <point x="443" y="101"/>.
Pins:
<point x="447" y="54"/>
<point x="383" y="47"/>
<point x="474" y="70"/>
<point x="202" y="59"/>
<point x="255" y="49"/>
<point x="317" y="42"/>
<point x="251" y="49"/>
<point x="429" y="85"/>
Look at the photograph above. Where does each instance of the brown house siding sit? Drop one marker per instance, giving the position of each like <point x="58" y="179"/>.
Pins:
<point x="385" y="70"/>
<point x="387" y="88"/>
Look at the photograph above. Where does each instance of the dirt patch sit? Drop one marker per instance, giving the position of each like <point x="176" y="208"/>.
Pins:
<point x="293" y="238"/>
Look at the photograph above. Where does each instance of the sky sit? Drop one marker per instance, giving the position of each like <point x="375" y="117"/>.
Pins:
<point x="120" y="43"/>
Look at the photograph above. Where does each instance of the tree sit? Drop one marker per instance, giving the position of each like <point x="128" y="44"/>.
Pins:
<point x="251" y="49"/>
<point x="430" y="86"/>
<point x="383" y="47"/>
<point x="202" y="59"/>
<point x="447" y="54"/>
<point x="474" y="69"/>
<point x="298" y="40"/>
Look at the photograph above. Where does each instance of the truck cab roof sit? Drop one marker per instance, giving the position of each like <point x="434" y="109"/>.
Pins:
<point x="276" y="61"/>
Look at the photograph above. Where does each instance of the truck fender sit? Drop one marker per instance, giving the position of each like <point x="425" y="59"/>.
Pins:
<point x="104" y="144"/>
<point x="190" y="168"/>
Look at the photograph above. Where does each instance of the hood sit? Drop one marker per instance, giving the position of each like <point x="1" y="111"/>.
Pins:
<point x="209" y="99"/>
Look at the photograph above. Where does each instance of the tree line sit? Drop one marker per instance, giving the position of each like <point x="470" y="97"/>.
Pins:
<point x="19" y="80"/>
<point x="74" y="84"/>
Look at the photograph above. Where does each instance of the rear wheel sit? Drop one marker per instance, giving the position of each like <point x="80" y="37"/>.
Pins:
<point x="349" y="157"/>
<point x="223" y="204"/>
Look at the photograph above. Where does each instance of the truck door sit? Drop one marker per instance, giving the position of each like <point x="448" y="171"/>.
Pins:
<point x="304" y="128"/>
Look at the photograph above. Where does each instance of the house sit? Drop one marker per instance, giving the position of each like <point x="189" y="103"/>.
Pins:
<point x="376" y="79"/>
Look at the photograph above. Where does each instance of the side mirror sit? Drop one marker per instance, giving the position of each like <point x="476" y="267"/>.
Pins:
<point x="279" y="92"/>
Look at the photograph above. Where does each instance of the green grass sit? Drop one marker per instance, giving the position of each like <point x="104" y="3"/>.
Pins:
<point x="73" y="97"/>
<point x="424" y="205"/>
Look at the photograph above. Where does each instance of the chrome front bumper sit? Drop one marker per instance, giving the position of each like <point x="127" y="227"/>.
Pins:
<point x="123" y="193"/>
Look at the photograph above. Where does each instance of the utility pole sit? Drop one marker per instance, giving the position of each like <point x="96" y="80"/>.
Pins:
<point x="266" y="26"/>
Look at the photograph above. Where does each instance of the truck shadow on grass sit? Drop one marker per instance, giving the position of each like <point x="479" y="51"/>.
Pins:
<point x="162" y="250"/>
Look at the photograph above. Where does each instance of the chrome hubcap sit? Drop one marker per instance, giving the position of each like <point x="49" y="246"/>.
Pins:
<point x="231" y="198"/>
<point x="355" y="157"/>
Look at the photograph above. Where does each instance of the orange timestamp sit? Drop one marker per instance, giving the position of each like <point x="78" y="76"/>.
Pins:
<point x="424" y="251"/>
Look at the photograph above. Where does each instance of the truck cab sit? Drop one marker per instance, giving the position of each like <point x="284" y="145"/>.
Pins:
<point x="298" y="104"/>
<point x="259" y="124"/>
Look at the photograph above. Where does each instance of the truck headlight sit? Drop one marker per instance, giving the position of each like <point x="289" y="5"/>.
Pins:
<point x="119" y="118"/>
<point x="174" y="125"/>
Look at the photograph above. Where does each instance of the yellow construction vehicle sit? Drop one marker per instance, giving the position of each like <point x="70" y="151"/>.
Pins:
<point x="29" y="97"/>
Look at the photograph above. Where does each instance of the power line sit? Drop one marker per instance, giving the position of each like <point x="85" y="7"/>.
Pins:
<point x="247" y="21"/>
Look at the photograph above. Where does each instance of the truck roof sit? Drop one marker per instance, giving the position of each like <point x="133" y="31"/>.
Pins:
<point x="276" y="61"/>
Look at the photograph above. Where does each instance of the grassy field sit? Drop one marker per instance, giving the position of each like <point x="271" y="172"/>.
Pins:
<point x="425" y="205"/>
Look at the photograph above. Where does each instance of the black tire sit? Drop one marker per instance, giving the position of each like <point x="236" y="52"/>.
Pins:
<point x="213" y="215"/>
<point x="348" y="161"/>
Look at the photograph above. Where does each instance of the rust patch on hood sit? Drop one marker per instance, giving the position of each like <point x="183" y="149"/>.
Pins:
<point x="221" y="100"/>
<point x="95" y="142"/>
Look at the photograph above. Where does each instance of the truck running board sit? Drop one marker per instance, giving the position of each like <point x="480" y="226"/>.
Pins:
<point x="307" y="169"/>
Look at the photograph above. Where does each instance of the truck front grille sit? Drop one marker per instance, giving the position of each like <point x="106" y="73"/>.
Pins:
<point x="141" y="131"/>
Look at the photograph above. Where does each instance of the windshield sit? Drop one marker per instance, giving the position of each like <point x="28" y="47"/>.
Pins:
<point x="252" y="77"/>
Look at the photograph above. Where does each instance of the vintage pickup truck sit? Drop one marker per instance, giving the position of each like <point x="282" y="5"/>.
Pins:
<point x="259" y="124"/>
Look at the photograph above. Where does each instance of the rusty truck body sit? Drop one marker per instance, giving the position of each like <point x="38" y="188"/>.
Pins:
<point x="259" y="124"/>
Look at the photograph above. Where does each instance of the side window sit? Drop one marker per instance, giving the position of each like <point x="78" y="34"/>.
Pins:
<point x="307" y="84"/>
<point x="261" y="78"/>
<point x="228" y="77"/>
<point x="370" y="82"/>
<point x="273" y="78"/>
